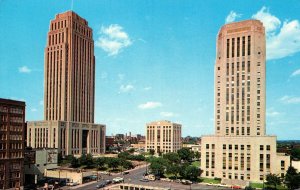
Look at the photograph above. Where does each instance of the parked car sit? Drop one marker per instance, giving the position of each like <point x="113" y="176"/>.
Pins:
<point x="72" y="183"/>
<point x="186" y="182"/>
<point x="118" y="180"/>
<point x="165" y="179"/>
<point x="108" y="181"/>
<point x="144" y="180"/>
<point x="150" y="177"/>
<point x="102" y="184"/>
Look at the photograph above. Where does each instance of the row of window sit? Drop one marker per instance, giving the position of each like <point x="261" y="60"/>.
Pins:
<point x="235" y="44"/>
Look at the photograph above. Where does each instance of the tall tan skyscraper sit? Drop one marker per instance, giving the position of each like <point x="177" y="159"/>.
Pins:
<point x="240" y="88"/>
<point x="240" y="150"/>
<point x="69" y="70"/>
<point x="69" y="91"/>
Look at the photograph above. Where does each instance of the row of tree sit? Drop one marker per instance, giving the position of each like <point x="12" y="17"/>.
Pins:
<point x="176" y="164"/>
<point x="87" y="161"/>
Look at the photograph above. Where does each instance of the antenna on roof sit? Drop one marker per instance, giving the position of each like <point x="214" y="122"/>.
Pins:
<point x="71" y="5"/>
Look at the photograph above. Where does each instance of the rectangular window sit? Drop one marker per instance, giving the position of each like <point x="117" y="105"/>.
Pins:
<point x="248" y="67"/>
<point x="238" y="47"/>
<point x="249" y="45"/>
<point x="243" y="46"/>
<point x="232" y="47"/>
<point x="227" y="48"/>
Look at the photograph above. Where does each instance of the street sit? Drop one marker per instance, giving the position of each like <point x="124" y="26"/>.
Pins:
<point x="134" y="177"/>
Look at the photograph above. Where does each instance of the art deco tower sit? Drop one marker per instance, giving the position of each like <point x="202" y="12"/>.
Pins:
<point x="240" y="88"/>
<point x="69" y="70"/>
<point x="240" y="151"/>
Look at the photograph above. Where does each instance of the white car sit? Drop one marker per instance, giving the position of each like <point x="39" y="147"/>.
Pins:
<point x="118" y="180"/>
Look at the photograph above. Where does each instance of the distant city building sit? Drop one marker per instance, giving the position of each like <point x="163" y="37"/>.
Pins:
<point x="193" y="147"/>
<point x="240" y="150"/>
<point x="36" y="161"/>
<point x="12" y="122"/>
<point x="69" y="101"/>
<point x="163" y="136"/>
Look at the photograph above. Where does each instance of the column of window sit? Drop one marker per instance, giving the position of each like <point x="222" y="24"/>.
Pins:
<point x="232" y="47"/>
<point x="227" y="49"/>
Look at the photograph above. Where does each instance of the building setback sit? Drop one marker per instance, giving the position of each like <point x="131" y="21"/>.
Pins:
<point x="240" y="150"/>
<point x="69" y="91"/>
<point x="12" y="122"/>
<point x="163" y="136"/>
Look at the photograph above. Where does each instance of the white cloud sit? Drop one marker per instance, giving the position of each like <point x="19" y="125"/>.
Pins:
<point x="148" y="88"/>
<point x="24" y="69"/>
<point x="33" y="109"/>
<point x="290" y="100"/>
<point x="282" y="40"/>
<point x="126" y="88"/>
<point x="150" y="105"/>
<point x="232" y="17"/>
<point x="272" y="113"/>
<point x="113" y="39"/>
<point x="295" y="73"/>
<point x="168" y="114"/>
<point x="271" y="22"/>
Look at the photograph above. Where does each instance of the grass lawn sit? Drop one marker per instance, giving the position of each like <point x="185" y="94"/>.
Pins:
<point x="209" y="180"/>
<point x="196" y="163"/>
<point x="260" y="185"/>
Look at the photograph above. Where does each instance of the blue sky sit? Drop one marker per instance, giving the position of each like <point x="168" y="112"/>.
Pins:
<point x="154" y="59"/>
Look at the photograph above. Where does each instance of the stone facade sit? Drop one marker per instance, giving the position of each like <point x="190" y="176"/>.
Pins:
<point x="69" y="70"/>
<point x="69" y="100"/>
<point x="70" y="138"/>
<point x="240" y="149"/>
<point x="163" y="136"/>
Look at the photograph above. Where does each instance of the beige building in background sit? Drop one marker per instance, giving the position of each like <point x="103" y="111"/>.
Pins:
<point x="69" y="98"/>
<point x="163" y="136"/>
<point x="240" y="150"/>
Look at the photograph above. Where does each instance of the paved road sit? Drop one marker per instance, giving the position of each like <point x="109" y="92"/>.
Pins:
<point x="134" y="178"/>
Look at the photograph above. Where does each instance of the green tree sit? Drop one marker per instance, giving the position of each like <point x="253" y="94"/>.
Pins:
<point x="292" y="178"/>
<point x="152" y="152"/>
<point x="192" y="173"/>
<point x="173" y="168"/>
<point x="185" y="154"/>
<point x="295" y="153"/>
<point x="82" y="160"/>
<point x="172" y="157"/>
<point x="273" y="180"/>
<point x="100" y="162"/>
<point x="131" y="150"/>
<point x="74" y="162"/>
<point x="113" y="163"/>
<point x="89" y="161"/>
<point x="126" y="164"/>
<point x="158" y="166"/>
<point x="124" y="155"/>
<point x="183" y="167"/>
<point x="197" y="155"/>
